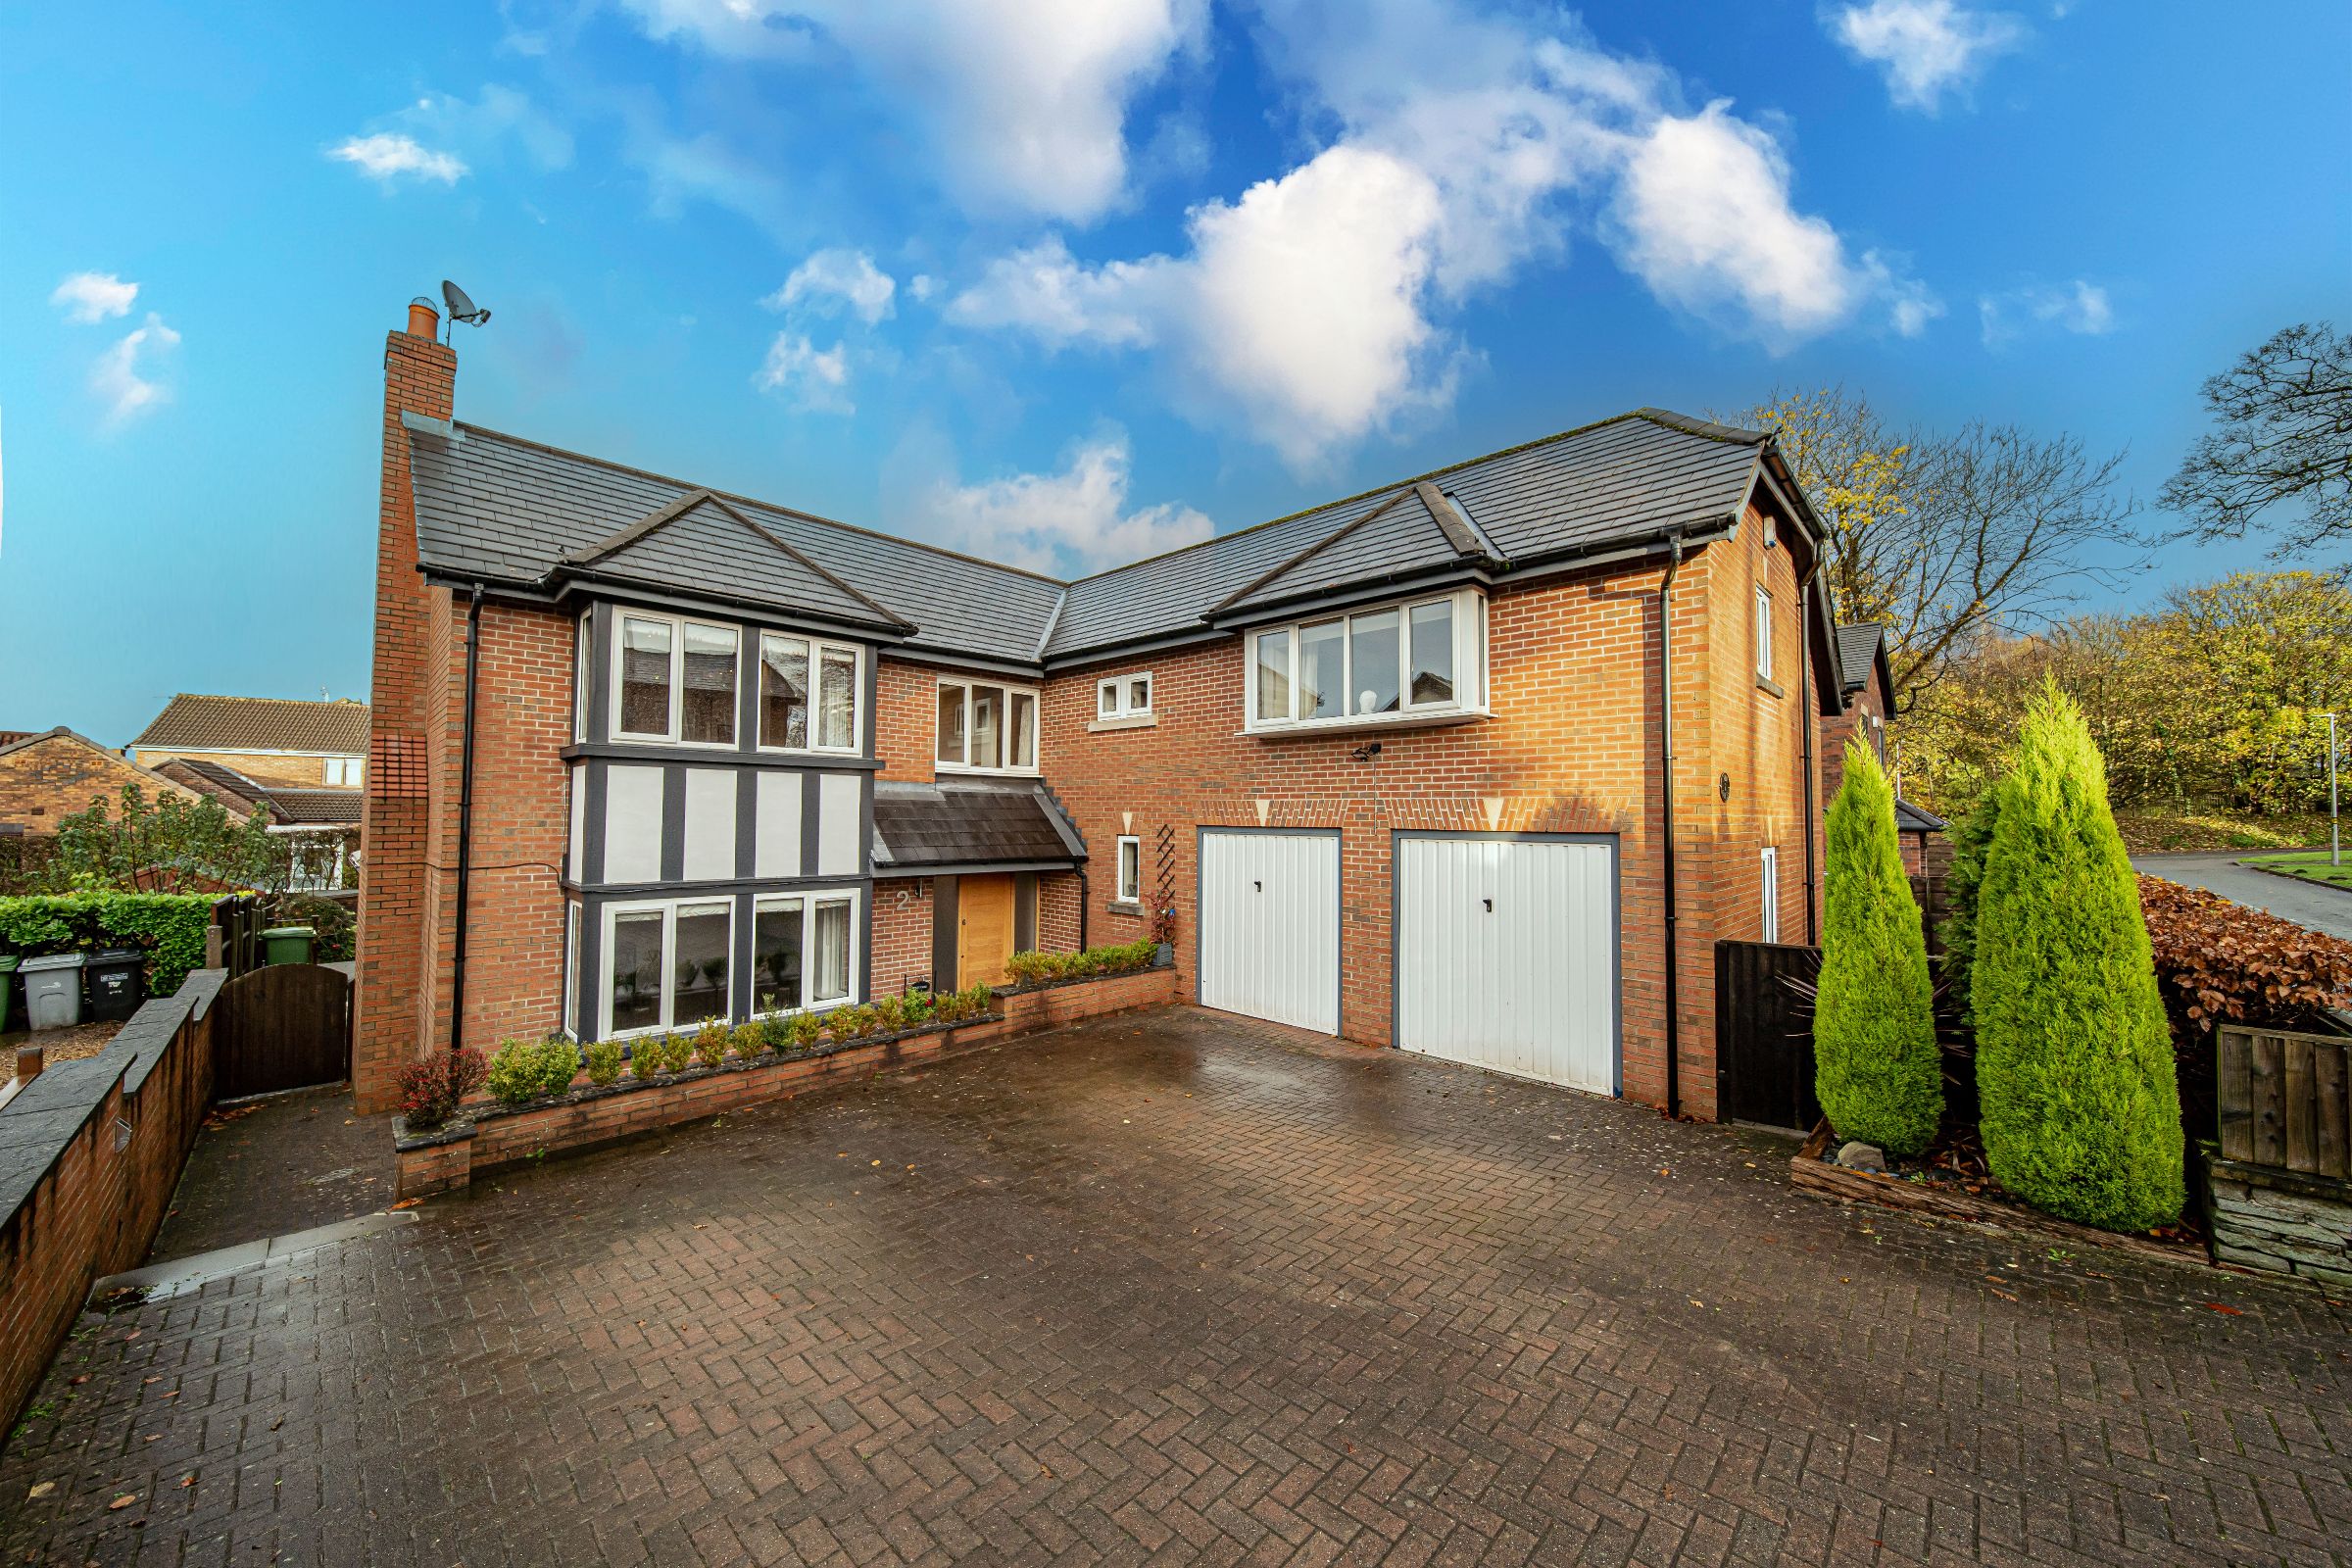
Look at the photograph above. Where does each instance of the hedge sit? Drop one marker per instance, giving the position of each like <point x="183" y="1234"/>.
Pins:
<point x="2078" y="1109"/>
<point x="171" y="927"/>
<point x="1876" y="1067"/>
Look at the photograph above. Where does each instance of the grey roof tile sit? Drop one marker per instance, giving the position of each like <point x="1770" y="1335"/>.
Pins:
<point x="1858" y="644"/>
<point x="969" y="824"/>
<point x="703" y="540"/>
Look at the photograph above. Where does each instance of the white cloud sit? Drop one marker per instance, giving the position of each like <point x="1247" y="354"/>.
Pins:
<point x="813" y="380"/>
<point x="1077" y="518"/>
<point x="2078" y="307"/>
<point x="1462" y="147"/>
<point x="1024" y="101"/>
<point x="847" y="276"/>
<point x="89" y="296"/>
<point x="1925" y="48"/>
<point x="388" y="156"/>
<point x="121" y="376"/>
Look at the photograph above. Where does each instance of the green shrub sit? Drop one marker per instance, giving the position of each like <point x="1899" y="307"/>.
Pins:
<point x="1961" y="882"/>
<point x="514" y="1071"/>
<point x="604" y="1063"/>
<point x="752" y="1041"/>
<point x="890" y="1014"/>
<point x="2081" y="1114"/>
<point x="919" y="1006"/>
<point x="171" y="927"/>
<point x="801" y="1030"/>
<point x="645" y="1058"/>
<point x="559" y="1063"/>
<point x="676" y="1052"/>
<point x="710" y="1041"/>
<point x="1876" y="1067"/>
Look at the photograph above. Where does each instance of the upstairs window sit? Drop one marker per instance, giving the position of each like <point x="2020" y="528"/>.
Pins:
<point x="1763" y="634"/>
<point x="1124" y="697"/>
<point x="789" y="721"/>
<point x="676" y="680"/>
<point x="1392" y="662"/>
<point x="343" y="772"/>
<point x="987" y="728"/>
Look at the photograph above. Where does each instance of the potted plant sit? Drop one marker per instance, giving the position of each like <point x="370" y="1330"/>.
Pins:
<point x="1163" y="932"/>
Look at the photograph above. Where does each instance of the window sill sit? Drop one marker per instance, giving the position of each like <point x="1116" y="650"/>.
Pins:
<point x="1369" y="722"/>
<point x="1127" y="907"/>
<point x="1125" y="721"/>
<point x="1765" y="683"/>
<point x="959" y="770"/>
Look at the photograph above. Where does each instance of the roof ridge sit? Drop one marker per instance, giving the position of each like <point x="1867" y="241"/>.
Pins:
<point x="1361" y="495"/>
<point x="234" y="697"/>
<point x="1704" y="430"/>
<point x="889" y="616"/>
<point x="1451" y="523"/>
<point x="740" y="499"/>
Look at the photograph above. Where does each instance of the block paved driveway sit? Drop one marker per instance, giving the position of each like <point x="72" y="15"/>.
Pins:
<point x="1176" y="1288"/>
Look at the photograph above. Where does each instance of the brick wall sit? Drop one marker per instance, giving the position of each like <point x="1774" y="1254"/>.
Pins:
<point x="95" y="1207"/>
<point x="904" y="909"/>
<point x="297" y="772"/>
<point x="57" y="775"/>
<point x="907" y="719"/>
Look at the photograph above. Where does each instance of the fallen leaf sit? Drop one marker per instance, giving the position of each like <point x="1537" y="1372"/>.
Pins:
<point x="41" y="1489"/>
<point x="124" y="1501"/>
<point x="2231" y="1311"/>
<point x="408" y="1202"/>
<point x="1695" y="1302"/>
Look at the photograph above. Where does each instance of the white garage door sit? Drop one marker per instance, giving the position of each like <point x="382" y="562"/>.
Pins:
<point x="1506" y="956"/>
<point x="1270" y="926"/>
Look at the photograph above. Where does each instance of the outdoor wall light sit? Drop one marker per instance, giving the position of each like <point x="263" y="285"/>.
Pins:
<point x="1723" y="788"/>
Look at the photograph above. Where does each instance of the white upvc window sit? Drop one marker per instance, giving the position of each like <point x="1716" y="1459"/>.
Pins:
<point x="1763" y="633"/>
<point x="1131" y="868"/>
<point x="580" y="640"/>
<point x="1124" y="695"/>
<point x="674" y="680"/>
<point x="805" y="951"/>
<point x="571" y="968"/>
<point x="1770" y="887"/>
<point x="810" y="694"/>
<point x="668" y="964"/>
<point x="1389" y="662"/>
<point x="986" y="727"/>
<point x="344" y="772"/>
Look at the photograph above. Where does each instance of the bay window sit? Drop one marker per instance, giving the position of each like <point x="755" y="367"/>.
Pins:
<point x="667" y="965"/>
<point x="987" y="728"/>
<point x="786" y="723"/>
<point x="1392" y="662"/>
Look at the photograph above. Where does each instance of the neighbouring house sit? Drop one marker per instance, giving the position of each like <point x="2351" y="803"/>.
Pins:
<point x="1869" y="703"/>
<point x="48" y="775"/>
<point x="1400" y="768"/>
<point x="272" y="740"/>
<point x="320" y="826"/>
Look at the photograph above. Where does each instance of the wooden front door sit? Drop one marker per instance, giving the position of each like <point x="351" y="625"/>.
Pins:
<point x="984" y="928"/>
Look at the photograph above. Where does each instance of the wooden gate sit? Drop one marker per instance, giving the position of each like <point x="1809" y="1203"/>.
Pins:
<point x="1764" y="1034"/>
<point x="2285" y="1100"/>
<point x="281" y="1026"/>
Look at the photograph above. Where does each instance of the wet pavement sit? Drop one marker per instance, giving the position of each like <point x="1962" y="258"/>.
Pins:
<point x="1174" y="1287"/>
<point x="2307" y="904"/>
<point x="269" y="1167"/>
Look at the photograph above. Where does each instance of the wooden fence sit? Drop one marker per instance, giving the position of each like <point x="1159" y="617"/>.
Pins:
<point x="2283" y="1100"/>
<point x="1764" y="1034"/>
<point x="241" y="922"/>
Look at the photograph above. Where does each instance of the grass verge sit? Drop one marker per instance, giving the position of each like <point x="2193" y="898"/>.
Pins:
<point x="2312" y="867"/>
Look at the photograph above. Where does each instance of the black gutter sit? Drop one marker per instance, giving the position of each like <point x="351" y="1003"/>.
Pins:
<point x="1674" y="1033"/>
<point x="1084" y="899"/>
<point x="1808" y="716"/>
<point x="456" y="977"/>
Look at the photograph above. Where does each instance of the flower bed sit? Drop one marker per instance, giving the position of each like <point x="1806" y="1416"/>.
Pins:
<point x="489" y="1134"/>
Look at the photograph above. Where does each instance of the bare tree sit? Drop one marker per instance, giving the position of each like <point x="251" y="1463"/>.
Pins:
<point x="1945" y="538"/>
<point x="2284" y="412"/>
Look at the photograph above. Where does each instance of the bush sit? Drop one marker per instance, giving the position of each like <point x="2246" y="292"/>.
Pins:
<point x="890" y="1014"/>
<point x="1876" y="1067"/>
<point x="801" y="1030"/>
<point x="171" y="927"/>
<point x="711" y="1042"/>
<point x="604" y="1063"/>
<point x="645" y="1058"/>
<point x="1032" y="968"/>
<point x="675" y="1052"/>
<point x="522" y="1070"/>
<point x="750" y="1041"/>
<point x="558" y="1060"/>
<point x="2080" y="1111"/>
<point x="2220" y="962"/>
<point x="432" y="1089"/>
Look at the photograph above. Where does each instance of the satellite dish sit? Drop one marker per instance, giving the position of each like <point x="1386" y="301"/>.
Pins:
<point x="460" y="305"/>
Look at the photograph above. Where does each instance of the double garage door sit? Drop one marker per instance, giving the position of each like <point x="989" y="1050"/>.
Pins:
<point x="1505" y="948"/>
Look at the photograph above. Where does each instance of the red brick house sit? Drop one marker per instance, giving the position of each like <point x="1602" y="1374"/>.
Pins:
<point x="1869" y="704"/>
<point x="1394" y="768"/>
<point x="49" y="774"/>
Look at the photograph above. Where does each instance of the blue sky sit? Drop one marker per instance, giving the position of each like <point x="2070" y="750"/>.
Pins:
<point x="1070" y="280"/>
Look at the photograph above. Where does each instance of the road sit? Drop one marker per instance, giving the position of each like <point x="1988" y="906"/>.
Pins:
<point x="2307" y="904"/>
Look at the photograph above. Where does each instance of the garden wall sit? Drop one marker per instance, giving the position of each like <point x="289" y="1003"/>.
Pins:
<point x="2279" y="1220"/>
<point x="90" y="1152"/>
<point x="494" y="1135"/>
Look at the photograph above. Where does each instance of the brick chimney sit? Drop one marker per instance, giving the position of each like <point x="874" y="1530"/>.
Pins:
<point x="391" y="1002"/>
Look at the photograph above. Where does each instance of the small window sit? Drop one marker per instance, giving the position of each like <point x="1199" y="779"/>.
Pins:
<point x="987" y="728"/>
<point x="710" y="716"/>
<point x="645" y="649"/>
<point x="580" y="685"/>
<point x="1131" y="869"/>
<point x="1763" y="634"/>
<point x="572" y="970"/>
<point x="1771" y="888"/>
<point x="783" y="692"/>
<point x="1272" y="686"/>
<point x="837" y="701"/>
<point x="1123" y="697"/>
<point x="343" y="772"/>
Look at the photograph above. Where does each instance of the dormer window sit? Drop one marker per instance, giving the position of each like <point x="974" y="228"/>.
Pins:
<point x="1392" y="663"/>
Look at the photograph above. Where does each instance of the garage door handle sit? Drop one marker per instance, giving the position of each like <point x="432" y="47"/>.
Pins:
<point x="1489" y="904"/>
<point x="1258" y="886"/>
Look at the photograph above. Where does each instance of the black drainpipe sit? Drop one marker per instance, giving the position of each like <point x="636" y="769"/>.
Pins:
<point x="1807" y="716"/>
<point x="1084" y="899"/>
<point x="1674" y="1031"/>
<point x="456" y="975"/>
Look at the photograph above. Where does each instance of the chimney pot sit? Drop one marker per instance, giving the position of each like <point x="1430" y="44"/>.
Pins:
<point x="423" y="321"/>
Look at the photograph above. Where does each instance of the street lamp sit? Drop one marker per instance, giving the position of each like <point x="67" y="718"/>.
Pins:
<point x="2335" y="847"/>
